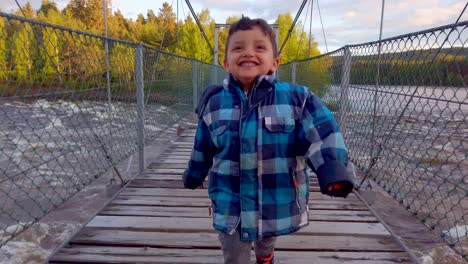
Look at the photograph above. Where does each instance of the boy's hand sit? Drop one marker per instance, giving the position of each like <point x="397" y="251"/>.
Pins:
<point x="189" y="183"/>
<point x="339" y="189"/>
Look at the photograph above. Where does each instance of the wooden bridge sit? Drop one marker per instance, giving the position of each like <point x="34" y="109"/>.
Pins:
<point x="155" y="220"/>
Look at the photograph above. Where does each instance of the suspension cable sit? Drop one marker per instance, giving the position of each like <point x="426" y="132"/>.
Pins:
<point x="199" y="24"/>
<point x="177" y="27"/>
<point x="310" y="24"/>
<point x="374" y="160"/>
<point x="292" y="26"/>
<point x="377" y="79"/>
<point x="302" y="34"/>
<point x="323" y="30"/>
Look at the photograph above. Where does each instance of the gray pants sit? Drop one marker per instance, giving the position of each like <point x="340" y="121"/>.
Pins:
<point x="236" y="251"/>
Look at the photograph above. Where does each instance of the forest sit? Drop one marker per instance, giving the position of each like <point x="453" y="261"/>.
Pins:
<point x="31" y="53"/>
<point x="161" y="29"/>
<point x="34" y="56"/>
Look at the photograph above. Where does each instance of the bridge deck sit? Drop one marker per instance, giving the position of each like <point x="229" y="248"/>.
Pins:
<point x="155" y="220"/>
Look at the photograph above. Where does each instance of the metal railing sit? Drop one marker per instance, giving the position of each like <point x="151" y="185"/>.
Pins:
<point x="63" y="123"/>
<point x="402" y="105"/>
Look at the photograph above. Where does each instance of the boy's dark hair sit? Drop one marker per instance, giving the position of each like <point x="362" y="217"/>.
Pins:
<point x="245" y="23"/>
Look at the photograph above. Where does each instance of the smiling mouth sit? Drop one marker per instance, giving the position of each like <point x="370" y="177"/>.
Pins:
<point x="248" y="64"/>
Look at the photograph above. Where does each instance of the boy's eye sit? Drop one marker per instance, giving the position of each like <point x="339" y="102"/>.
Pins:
<point x="261" y="47"/>
<point x="236" y="48"/>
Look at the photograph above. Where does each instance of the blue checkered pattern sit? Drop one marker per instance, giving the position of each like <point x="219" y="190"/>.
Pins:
<point x="255" y="148"/>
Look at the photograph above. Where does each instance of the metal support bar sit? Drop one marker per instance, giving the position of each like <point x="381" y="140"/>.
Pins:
<point x="276" y="29"/>
<point x="140" y="107"/>
<point x="293" y="72"/>
<point x="345" y="72"/>
<point x="195" y="83"/>
<point x="215" y="51"/>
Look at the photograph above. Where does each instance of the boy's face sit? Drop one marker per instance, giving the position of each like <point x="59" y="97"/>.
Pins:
<point x="249" y="54"/>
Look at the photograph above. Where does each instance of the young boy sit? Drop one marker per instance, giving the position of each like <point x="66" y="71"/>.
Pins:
<point x="254" y="137"/>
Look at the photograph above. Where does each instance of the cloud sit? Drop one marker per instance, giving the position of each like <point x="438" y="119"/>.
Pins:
<point x="10" y="6"/>
<point x="436" y="15"/>
<point x="265" y="9"/>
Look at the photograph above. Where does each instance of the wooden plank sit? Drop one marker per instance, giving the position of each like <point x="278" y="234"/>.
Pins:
<point x="182" y="143"/>
<point x="180" y="152"/>
<point x="153" y="182"/>
<point x="155" y="193"/>
<point x="314" y="215"/>
<point x="210" y="240"/>
<point x="203" y="193"/>
<point x="168" y="170"/>
<point x="206" y="202"/>
<point x="107" y="254"/>
<point x="178" y="176"/>
<point x="205" y="225"/>
<point x="180" y="148"/>
<point x="145" y="183"/>
<point x="168" y="176"/>
<point x="162" y="161"/>
<point x="167" y="166"/>
<point x="168" y="161"/>
<point x="168" y="156"/>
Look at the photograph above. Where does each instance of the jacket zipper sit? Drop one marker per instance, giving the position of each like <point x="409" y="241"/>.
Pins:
<point x="240" y="167"/>
<point x="240" y="144"/>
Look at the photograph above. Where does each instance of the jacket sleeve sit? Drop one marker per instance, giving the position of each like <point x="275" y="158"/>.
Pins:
<point x="326" y="153"/>
<point x="201" y="158"/>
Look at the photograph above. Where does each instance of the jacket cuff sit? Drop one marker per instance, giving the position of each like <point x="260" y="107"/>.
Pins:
<point x="330" y="172"/>
<point x="189" y="182"/>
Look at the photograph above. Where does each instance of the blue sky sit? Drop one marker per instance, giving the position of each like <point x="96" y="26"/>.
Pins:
<point x="344" y="21"/>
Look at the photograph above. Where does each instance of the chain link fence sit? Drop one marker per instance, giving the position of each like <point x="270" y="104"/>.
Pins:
<point x="402" y="105"/>
<point x="67" y="116"/>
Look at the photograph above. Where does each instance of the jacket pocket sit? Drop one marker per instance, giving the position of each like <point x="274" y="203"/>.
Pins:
<point x="295" y="184"/>
<point x="279" y="124"/>
<point x="218" y="130"/>
<point x="216" y="133"/>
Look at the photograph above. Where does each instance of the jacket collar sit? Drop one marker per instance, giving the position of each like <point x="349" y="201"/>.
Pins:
<point x="264" y="84"/>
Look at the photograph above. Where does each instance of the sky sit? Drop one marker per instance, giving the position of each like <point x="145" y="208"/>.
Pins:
<point x="344" y="22"/>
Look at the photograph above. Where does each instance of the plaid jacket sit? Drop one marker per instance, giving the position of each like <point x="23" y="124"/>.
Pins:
<point x="254" y="150"/>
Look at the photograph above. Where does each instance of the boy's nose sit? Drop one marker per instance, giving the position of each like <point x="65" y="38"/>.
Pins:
<point x="248" y="52"/>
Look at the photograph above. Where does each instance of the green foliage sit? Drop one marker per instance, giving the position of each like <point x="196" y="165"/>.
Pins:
<point x="297" y="47"/>
<point x="37" y="56"/>
<point x="4" y="69"/>
<point x="444" y="70"/>
<point x="315" y="74"/>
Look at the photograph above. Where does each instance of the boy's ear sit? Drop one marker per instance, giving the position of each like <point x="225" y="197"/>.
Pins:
<point x="276" y="63"/>
<point x="226" y="65"/>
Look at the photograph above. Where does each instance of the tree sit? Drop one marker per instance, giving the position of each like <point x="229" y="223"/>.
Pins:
<point x="119" y="27"/>
<point x="222" y="37"/>
<point x="166" y="26"/>
<point x="22" y="52"/>
<point x="152" y="18"/>
<point x="28" y="11"/>
<point x="49" y="42"/>
<point x="90" y="12"/>
<point x="47" y="6"/>
<point x="4" y="69"/>
<point x="289" y="51"/>
<point x="208" y="25"/>
<point x="190" y="40"/>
